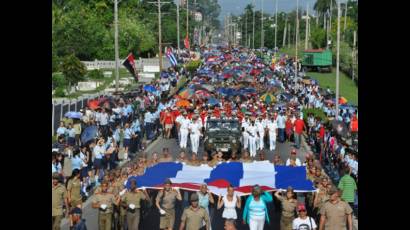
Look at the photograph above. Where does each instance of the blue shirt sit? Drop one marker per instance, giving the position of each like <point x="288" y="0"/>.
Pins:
<point x="56" y="167"/>
<point x="128" y="133"/>
<point x="61" y="131"/>
<point x="136" y="126"/>
<point x="257" y="208"/>
<point x="117" y="135"/>
<point x="129" y="109"/>
<point x="76" y="162"/>
<point x="71" y="132"/>
<point x="148" y="118"/>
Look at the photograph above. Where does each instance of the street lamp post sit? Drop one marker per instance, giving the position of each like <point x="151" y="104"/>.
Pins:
<point x="276" y="21"/>
<point x="337" y="58"/>
<point x="117" y="72"/>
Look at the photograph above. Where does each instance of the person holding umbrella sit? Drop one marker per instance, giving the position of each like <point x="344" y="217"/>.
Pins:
<point x="255" y="212"/>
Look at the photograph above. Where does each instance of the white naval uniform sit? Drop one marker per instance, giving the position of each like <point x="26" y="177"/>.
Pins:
<point x="261" y="130"/>
<point x="245" y="134"/>
<point x="252" y="129"/>
<point x="195" y="132"/>
<point x="272" y="130"/>
<point x="184" y="132"/>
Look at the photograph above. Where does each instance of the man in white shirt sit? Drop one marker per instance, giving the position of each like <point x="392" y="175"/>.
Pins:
<point x="104" y="122"/>
<point x="183" y="130"/>
<point x="245" y="134"/>
<point x="272" y="131"/>
<point x="195" y="132"/>
<point x="252" y="132"/>
<point x="261" y="131"/>
<point x="303" y="222"/>
<point x="281" y="126"/>
<point x="149" y="124"/>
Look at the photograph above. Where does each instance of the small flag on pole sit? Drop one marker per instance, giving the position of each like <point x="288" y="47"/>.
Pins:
<point x="186" y="42"/>
<point x="129" y="63"/>
<point x="171" y="57"/>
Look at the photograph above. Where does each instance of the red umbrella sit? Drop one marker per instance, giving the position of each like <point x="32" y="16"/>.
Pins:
<point x="93" y="104"/>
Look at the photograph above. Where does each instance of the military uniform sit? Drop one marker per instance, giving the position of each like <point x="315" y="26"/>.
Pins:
<point x="58" y="194"/>
<point x="133" y="215"/>
<point x="288" y="213"/>
<point x="74" y="187"/>
<point x="105" y="216"/>
<point x="336" y="215"/>
<point x="193" y="218"/>
<point x="168" y="205"/>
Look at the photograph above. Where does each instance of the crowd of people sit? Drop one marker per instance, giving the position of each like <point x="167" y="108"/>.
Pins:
<point x="124" y="124"/>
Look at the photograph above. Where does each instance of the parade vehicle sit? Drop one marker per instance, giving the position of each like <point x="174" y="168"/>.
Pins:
<point x="223" y="135"/>
<point x="317" y="59"/>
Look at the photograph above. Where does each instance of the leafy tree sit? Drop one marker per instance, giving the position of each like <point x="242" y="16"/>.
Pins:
<point x="73" y="70"/>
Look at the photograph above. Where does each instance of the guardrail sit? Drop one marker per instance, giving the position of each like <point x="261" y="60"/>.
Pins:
<point x="139" y="63"/>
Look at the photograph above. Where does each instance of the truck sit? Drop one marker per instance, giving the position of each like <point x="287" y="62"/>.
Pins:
<point x="222" y="135"/>
<point x="317" y="60"/>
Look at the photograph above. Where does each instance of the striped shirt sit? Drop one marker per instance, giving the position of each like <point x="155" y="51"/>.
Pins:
<point x="348" y="186"/>
<point x="257" y="209"/>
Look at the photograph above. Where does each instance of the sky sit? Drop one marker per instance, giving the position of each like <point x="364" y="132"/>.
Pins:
<point x="237" y="6"/>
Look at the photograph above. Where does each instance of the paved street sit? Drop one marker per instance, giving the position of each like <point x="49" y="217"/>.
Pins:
<point x="152" y="222"/>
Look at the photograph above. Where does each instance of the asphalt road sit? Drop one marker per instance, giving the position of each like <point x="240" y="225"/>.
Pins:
<point x="151" y="222"/>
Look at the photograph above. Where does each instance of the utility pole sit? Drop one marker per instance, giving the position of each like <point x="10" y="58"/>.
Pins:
<point x="284" y="31"/>
<point x="262" y="30"/>
<point x="158" y="3"/>
<point x="307" y="27"/>
<point x="331" y="12"/>
<point x="276" y="21"/>
<point x="253" y="29"/>
<point x="337" y="58"/>
<point x="179" y="50"/>
<point x="187" y="22"/>
<point x="297" y="37"/>
<point x="246" y="28"/>
<point x="117" y="71"/>
<point x="354" y="54"/>
<point x="344" y="25"/>
<point x="289" y="35"/>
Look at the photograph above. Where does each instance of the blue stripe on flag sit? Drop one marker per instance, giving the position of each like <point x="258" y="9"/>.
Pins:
<point x="156" y="174"/>
<point x="232" y="172"/>
<point x="292" y="176"/>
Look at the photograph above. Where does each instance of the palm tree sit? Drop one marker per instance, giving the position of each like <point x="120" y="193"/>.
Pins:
<point x="322" y="6"/>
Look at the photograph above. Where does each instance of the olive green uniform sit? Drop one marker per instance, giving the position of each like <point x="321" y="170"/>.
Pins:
<point x="74" y="187"/>
<point x="288" y="213"/>
<point x="168" y="205"/>
<point x="133" y="215"/>
<point x="336" y="215"/>
<point x="105" y="217"/>
<point x="58" y="194"/>
<point x="193" y="218"/>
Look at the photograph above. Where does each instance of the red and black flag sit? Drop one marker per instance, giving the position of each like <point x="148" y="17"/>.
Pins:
<point x="186" y="42"/>
<point x="129" y="63"/>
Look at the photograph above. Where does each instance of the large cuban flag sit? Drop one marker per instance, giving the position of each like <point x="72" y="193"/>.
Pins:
<point x="242" y="176"/>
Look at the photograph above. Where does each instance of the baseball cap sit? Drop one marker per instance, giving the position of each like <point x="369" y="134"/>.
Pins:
<point x="167" y="181"/>
<point x="56" y="176"/>
<point x="333" y="190"/>
<point x="301" y="207"/>
<point x="194" y="197"/>
<point x="76" y="210"/>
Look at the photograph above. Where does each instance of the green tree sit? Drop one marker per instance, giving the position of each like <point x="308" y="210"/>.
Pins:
<point x="317" y="37"/>
<point x="73" y="70"/>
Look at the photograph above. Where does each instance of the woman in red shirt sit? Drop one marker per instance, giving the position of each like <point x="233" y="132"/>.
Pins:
<point x="288" y="128"/>
<point x="168" y="122"/>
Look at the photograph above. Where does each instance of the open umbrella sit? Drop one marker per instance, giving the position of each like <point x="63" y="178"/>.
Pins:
<point x="268" y="98"/>
<point x="93" y="104"/>
<point x="89" y="134"/>
<point x="182" y="103"/>
<point x="208" y="87"/>
<point x="73" y="115"/>
<point x="150" y="88"/>
<point x="186" y="93"/>
<point x="342" y="100"/>
<point x="213" y="101"/>
<point x="202" y="93"/>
